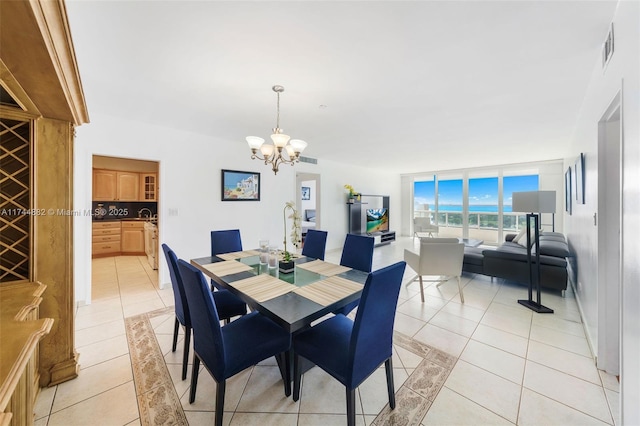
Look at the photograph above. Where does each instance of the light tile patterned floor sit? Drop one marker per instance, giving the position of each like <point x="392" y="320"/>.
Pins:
<point x="514" y="366"/>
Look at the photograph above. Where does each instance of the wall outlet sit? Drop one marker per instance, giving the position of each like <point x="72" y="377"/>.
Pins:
<point x="173" y="212"/>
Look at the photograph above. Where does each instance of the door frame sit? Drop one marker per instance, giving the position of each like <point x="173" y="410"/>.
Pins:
<point x="609" y="221"/>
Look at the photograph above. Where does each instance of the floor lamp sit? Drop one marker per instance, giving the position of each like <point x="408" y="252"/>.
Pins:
<point x="535" y="202"/>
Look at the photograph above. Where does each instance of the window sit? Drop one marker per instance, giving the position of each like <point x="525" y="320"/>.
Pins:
<point x="512" y="221"/>
<point x="483" y="208"/>
<point x="482" y="197"/>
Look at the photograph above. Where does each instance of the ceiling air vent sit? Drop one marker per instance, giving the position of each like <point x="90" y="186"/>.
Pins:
<point x="308" y="160"/>
<point x="607" y="48"/>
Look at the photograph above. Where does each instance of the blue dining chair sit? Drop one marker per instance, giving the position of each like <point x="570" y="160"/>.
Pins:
<point x="226" y="241"/>
<point x="226" y="351"/>
<point x="351" y="350"/>
<point x="315" y="244"/>
<point x="227" y="304"/>
<point x="357" y="253"/>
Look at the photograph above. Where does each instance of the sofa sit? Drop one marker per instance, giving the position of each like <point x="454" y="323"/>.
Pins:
<point x="509" y="261"/>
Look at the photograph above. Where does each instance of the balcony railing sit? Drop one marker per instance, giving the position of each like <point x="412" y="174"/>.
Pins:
<point x="482" y="225"/>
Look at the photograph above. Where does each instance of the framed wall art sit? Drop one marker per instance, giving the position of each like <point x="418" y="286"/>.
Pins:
<point x="240" y="186"/>
<point x="579" y="179"/>
<point x="306" y="193"/>
<point x="567" y="191"/>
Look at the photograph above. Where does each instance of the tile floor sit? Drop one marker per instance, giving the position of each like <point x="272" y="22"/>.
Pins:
<point x="514" y="366"/>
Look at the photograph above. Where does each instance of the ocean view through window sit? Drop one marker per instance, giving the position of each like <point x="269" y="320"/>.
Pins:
<point x="478" y="199"/>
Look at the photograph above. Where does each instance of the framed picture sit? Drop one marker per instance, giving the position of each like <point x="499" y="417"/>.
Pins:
<point x="567" y="191"/>
<point x="240" y="186"/>
<point x="306" y="193"/>
<point x="579" y="179"/>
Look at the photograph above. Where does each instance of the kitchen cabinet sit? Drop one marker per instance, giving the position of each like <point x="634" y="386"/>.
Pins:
<point x="132" y="237"/>
<point x="105" y="185"/>
<point x="111" y="185"/>
<point x="148" y="186"/>
<point x="106" y="239"/>
<point x="128" y="186"/>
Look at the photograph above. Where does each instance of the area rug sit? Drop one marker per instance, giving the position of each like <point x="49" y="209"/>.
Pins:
<point x="158" y="401"/>
<point x="159" y="404"/>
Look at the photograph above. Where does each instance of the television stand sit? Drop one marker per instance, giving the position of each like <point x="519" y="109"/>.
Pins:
<point x="383" y="237"/>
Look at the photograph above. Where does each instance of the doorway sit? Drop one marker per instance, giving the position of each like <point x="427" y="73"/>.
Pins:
<point x="124" y="242"/>
<point x="308" y="201"/>
<point x="610" y="172"/>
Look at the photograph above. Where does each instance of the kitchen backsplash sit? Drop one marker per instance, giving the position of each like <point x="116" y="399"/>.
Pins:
<point x="121" y="210"/>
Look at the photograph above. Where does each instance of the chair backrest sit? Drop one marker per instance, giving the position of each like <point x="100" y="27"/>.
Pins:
<point x="207" y="336"/>
<point x="357" y="252"/>
<point x="226" y="241"/>
<point x="423" y="224"/>
<point x="441" y="256"/>
<point x="372" y="335"/>
<point x="179" y="296"/>
<point x="315" y="244"/>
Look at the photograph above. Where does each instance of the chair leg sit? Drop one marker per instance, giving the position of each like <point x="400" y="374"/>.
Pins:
<point x="176" y="328"/>
<point x="296" y="377"/>
<point x="460" y="290"/>
<point x="194" y="378"/>
<point x="287" y="366"/>
<point x="351" y="407"/>
<point x="220" y="389"/>
<point x="411" y="281"/>
<point x="421" y="289"/>
<point x="185" y="356"/>
<point x="388" y="366"/>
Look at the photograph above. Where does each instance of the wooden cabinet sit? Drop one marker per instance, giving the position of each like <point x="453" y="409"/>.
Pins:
<point x="105" y="185"/>
<point x="22" y="329"/>
<point x="132" y="237"/>
<point x="128" y="186"/>
<point x="106" y="239"/>
<point x="148" y="186"/>
<point x="111" y="185"/>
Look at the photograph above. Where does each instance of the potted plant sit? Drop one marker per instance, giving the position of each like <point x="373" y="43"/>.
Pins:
<point x="352" y="193"/>
<point x="286" y="265"/>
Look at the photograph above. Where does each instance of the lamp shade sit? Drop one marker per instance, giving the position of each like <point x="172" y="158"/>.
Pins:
<point x="254" y="142"/>
<point x="298" y="145"/>
<point x="279" y="139"/>
<point x="534" y="202"/>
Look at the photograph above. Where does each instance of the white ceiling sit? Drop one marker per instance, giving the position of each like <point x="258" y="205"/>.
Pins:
<point x="411" y="86"/>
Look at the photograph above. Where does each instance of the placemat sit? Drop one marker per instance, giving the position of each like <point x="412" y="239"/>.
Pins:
<point x="329" y="290"/>
<point x="238" y="254"/>
<point x="227" y="267"/>
<point x="323" y="268"/>
<point x="263" y="287"/>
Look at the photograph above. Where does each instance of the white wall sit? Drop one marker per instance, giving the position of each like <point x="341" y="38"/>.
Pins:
<point x="622" y="71"/>
<point x="189" y="182"/>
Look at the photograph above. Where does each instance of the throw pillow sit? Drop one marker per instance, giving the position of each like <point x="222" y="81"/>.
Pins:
<point x="520" y="235"/>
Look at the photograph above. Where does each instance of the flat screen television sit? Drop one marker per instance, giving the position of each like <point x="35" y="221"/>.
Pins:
<point x="377" y="220"/>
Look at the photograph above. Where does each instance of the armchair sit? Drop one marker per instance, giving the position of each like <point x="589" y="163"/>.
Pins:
<point x="423" y="225"/>
<point x="438" y="256"/>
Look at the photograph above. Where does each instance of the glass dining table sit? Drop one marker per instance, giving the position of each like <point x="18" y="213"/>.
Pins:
<point x="293" y="300"/>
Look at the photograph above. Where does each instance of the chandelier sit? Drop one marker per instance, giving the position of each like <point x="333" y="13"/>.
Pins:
<point x="273" y="153"/>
